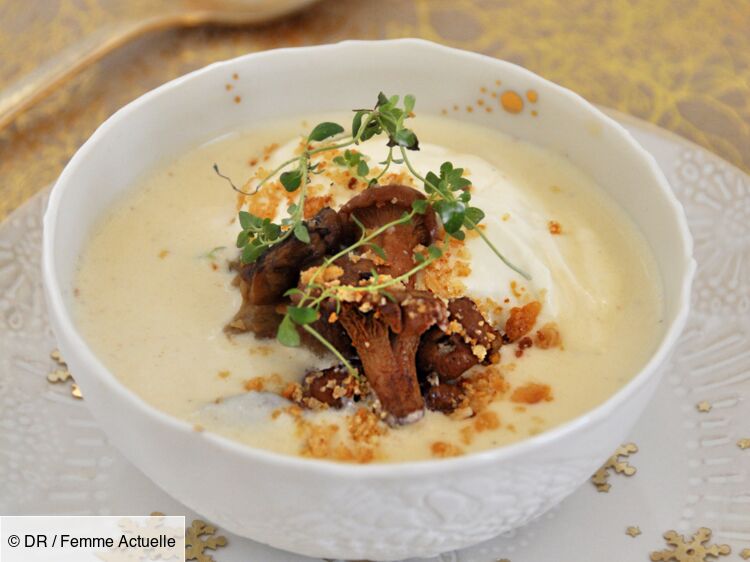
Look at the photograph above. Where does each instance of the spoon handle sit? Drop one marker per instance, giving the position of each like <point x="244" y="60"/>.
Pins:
<point x="53" y="73"/>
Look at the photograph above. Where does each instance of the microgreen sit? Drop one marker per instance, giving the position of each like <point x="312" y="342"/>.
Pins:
<point x="447" y="192"/>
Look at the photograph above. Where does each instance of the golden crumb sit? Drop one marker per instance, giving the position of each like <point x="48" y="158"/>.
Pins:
<point x="365" y="426"/>
<point x="522" y="320"/>
<point x="224" y="374"/>
<point x="443" y="450"/>
<point x="554" y="227"/>
<point x="237" y="99"/>
<point x="483" y="388"/>
<point x="163" y="254"/>
<point x="532" y="393"/>
<point x="548" y="336"/>
<point x="486" y="420"/>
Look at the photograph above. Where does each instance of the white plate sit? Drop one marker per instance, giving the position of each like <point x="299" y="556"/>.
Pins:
<point x="691" y="473"/>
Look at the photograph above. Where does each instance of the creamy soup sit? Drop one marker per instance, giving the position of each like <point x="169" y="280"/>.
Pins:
<point x="155" y="293"/>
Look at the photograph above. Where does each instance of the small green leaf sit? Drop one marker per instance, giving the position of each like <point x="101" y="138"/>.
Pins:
<point x="434" y="252"/>
<point x="378" y="250"/>
<point x="252" y="252"/>
<point x="419" y="206"/>
<point x="301" y="233"/>
<point x="458" y="235"/>
<point x="419" y="258"/>
<point x="302" y="315"/>
<point x="293" y="291"/>
<point x="242" y="238"/>
<point x="357" y="122"/>
<point x="271" y="230"/>
<point x="452" y="214"/>
<point x="409" y="102"/>
<point x="382" y="100"/>
<point x="287" y="333"/>
<point x="405" y="138"/>
<point x="325" y="130"/>
<point x="245" y="219"/>
<point x="362" y="169"/>
<point x="291" y="180"/>
<point x="474" y="214"/>
<point x="340" y="161"/>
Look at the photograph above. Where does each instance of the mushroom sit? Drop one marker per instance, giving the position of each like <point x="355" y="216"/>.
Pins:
<point x="330" y="386"/>
<point x="472" y="341"/>
<point x="386" y="339"/>
<point x="264" y="282"/>
<point x="380" y="204"/>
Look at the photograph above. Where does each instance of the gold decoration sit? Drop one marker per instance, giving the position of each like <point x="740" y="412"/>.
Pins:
<point x="695" y="549"/>
<point x="62" y="374"/>
<point x="703" y="406"/>
<point x="620" y="466"/>
<point x="744" y="443"/>
<point x="633" y="531"/>
<point x="745" y="554"/>
<point x="75" y="392"/>
<point x="58" y="375"/>
<point x="199" y="537"/>
<point x="56" y="357"/>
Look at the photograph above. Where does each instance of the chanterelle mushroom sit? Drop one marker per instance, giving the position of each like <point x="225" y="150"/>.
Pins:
<point x="380" y="204"/>
<point x="469" y="340"/>
<point x="264" y="282"/>
<point x="386" y="338"/>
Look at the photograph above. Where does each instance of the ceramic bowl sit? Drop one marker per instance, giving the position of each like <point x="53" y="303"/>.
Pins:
<point x="324" y="509"/>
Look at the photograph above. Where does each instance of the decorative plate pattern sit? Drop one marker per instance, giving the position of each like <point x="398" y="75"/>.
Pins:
<point x="691" y="473"/>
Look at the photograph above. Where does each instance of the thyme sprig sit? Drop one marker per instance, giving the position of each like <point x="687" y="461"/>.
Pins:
<point x="447" y="192"/>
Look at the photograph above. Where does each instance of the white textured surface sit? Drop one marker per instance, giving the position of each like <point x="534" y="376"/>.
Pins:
<point x="54" y="459"/>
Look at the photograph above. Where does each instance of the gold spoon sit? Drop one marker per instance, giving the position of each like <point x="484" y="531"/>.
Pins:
<point x="38" y="84"/>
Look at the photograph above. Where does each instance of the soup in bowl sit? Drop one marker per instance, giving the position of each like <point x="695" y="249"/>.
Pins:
<point x="388" y="315"/>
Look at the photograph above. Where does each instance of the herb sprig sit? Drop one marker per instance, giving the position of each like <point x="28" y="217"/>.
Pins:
<point x="447" y="192"/>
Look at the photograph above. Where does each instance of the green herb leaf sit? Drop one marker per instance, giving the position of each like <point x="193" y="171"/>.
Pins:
<point x="242" y="238"/>
<point x="405" y="138"/>
<point x="419" y="206"/>
<point x="301" y="233"/>
<point x="287" y="333"/>
<point x="325" y="130"/>
<point x="378" y="250"/>
<point x="291" y="180"/>
<point x="434" y="251"/>
<point x="382" y="100"/>
<point x="245" y="219"/>
<point x="271" y="230"/>
<point x="252" y="252"/>
<point x="302" y="315"/>
<point x="474" y="215"/>
<point x="409" y="102"/>
<point x="362" y="169"/>
<point x="452" y="214"/>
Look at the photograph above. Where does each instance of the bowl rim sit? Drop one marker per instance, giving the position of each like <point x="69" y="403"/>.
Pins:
<point x="247" y="452"/>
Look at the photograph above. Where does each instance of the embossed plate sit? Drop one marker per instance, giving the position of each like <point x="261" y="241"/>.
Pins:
<point x="691" y="473"/>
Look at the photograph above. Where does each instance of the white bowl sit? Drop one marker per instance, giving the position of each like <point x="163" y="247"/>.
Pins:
<point x="320" y="508"/>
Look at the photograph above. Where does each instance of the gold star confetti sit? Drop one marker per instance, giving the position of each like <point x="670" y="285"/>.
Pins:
<point x="745" y="554"/>
<point x="58" y="375"/>
<point x="56" y="357"/>
<point x="704" y="406"/>
<point x="199" y="537"/>
<point x="744" y="443"/>
<point x="75" y="392"/>
<point x="633" y="531"/>
<point x="601" y="476"/>
<point x="695" y="549"/>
